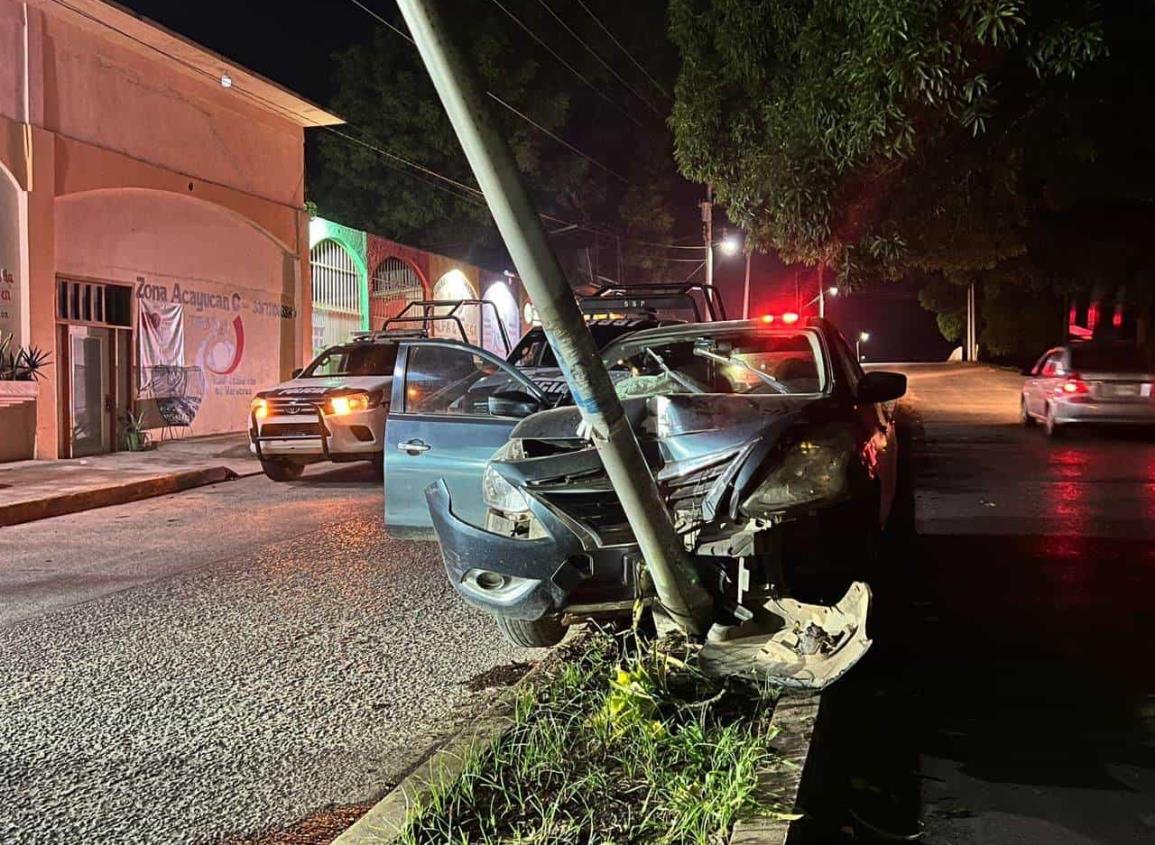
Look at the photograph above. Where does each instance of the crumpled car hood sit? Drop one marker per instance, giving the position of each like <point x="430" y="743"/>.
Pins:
<point x="704" y="450"/>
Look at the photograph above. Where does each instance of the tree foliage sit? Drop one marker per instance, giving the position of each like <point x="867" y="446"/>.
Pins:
<point x="944" y="141"/>
<point x="384" y="93"/>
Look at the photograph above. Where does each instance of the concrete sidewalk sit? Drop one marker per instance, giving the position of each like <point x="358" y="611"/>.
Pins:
<point x="31" y="490"/>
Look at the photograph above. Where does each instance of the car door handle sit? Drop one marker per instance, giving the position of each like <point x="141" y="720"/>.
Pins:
<point x="413" y="447"/>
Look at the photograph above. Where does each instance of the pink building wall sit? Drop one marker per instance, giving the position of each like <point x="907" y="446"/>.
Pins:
<point x="236" y="294"/>
<point x="162" y="116"/>
<point x="132" y="164"/>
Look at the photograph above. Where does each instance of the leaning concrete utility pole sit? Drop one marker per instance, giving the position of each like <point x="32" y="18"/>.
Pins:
<point x="675" y="579"/>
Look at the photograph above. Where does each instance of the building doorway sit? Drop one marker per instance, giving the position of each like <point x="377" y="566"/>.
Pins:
<point x="90" y="403"/>
<point x="94" y="346"/>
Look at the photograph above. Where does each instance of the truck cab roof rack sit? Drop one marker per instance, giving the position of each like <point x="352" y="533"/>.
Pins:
<point x="425" y="313"/>
<point x="702" y="300"/>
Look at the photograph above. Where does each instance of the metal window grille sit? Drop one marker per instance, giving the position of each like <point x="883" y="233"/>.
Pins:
<point x="395" y="283"/>
<point x="93" y="302"/>
<point x="335" y="285"/>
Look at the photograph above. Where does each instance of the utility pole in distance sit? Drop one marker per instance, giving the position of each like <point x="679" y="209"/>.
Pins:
<point x="746" y="289"/>
<point x="821" y="290"/>
<point x="675" y="578"/>
<point x="708" y="233"/>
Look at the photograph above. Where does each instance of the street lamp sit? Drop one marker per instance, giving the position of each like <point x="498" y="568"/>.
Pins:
<point x="862" y="338"/>
<point x="821" y="299"/>
<point x="730" y="245"/>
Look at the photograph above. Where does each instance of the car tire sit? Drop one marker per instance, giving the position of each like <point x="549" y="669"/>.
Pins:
<point x="535" y="633"/>
<point x="378" y="464"/>
<point x="280" y="470"/>
<point x="1024" y="415"/>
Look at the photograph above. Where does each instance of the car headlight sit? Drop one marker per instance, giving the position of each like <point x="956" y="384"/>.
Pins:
<point x="259" y="408"/>
<point x="812" y="470"/>
<point x="348" y="404"/>
<point x="498" y="493"/>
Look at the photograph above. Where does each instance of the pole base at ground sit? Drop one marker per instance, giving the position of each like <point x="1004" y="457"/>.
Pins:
<point x="792" y="644"/>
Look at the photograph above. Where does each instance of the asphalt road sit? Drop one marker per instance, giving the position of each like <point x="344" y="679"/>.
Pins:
<point x="1010" y="697"/>
<point x="221" y="661"/>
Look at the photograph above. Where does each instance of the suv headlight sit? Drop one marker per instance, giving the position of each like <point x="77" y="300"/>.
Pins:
<point x="498" y="493"/>
<point x="350" y="403"/>
<point x="812" y="470"/>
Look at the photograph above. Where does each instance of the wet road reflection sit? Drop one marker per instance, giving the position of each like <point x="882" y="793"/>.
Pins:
<point x="1011" y="694"/>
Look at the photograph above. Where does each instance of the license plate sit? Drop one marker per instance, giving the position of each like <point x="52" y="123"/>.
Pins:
<point x="1128" y="391"/>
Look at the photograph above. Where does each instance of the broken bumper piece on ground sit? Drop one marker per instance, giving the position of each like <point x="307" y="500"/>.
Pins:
<point x="796" y="645"/>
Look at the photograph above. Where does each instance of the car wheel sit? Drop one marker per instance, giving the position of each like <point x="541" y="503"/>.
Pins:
<point x="1024" y="415"/>
<point x="378" y="464"/>
<point x="278" y="470"/>
<point x="536" y="633"/>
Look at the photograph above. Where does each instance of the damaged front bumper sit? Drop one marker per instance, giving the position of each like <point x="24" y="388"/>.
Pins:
<point x="532" y="578"/>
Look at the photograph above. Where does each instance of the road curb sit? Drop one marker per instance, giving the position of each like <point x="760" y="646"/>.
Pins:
<point x="793" y="727"/>
<point x="386" y="819"/>
<point x="116" y="494"/>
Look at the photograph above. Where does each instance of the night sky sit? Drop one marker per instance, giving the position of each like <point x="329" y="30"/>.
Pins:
<point x="291" y="43"/>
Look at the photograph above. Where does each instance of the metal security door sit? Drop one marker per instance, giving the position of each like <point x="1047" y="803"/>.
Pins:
<point x="91" y="399"/>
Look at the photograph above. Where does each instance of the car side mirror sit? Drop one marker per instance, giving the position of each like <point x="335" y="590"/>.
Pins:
<point x="513" y="403"/>
<point x="297" y="371"/>
<point x="879" y="386"/>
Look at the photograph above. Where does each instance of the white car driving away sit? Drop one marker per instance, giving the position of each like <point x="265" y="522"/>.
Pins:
<point x="1102" y="383"/>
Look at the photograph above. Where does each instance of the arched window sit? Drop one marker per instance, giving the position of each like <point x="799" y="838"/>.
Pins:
<point x="506" y="311"/>
<point x="456" y="285"/>
<point x="336" y="294"/>
<point x="395" y="283"/>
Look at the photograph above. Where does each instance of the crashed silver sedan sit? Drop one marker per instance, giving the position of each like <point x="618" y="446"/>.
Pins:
<point x="775" y="452"/>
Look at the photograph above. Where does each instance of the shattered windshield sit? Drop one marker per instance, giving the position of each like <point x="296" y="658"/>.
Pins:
<point x="745" y="362"/>
<point x="534" y="351"/>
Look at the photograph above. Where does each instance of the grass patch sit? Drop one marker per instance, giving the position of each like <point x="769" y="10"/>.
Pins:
<point x="620" y="745"/>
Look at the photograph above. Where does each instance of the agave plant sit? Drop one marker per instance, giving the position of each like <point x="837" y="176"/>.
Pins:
<point x="21" y="363"/>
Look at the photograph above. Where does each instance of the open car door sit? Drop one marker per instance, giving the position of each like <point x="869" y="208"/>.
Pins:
<point x="453" y="406"/>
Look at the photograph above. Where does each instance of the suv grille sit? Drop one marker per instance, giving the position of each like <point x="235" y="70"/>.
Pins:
<point x="301" y="429"/>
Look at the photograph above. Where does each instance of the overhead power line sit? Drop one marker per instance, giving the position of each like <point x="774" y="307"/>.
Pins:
<point x="472" y="193"/>
<point x="599" y="58"/>
<point x="560" y="140"/>
<point x="623" y="48"/>
<point x="381" y="19"/>
<point x="503" y="103"/>
<point x="566" y="64"/>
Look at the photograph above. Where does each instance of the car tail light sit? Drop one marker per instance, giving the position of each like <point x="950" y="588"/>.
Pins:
<point x="1073" y="386"/>
<point x="789" y="318"/>
<point x="767" y="318"/>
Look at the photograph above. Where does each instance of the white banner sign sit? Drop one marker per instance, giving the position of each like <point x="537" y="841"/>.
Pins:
<point x="161" y="334"/>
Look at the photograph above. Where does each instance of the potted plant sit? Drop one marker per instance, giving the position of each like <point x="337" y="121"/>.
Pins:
<point x="133" y="434"/>
<point x="20" y="370"/>
<point x="21" y="363"/>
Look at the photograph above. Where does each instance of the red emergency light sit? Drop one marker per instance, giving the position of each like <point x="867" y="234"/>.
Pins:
<point x="789" y="318"/>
